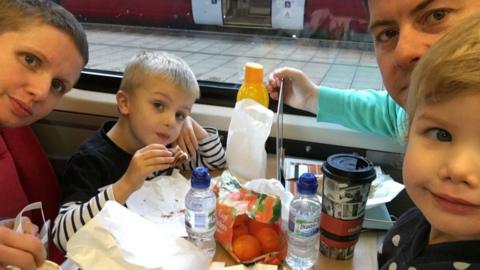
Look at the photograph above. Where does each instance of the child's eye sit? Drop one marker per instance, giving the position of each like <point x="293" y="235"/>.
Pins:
<point x="440" y="134"/>
<point x="159" y="106"/>
<point x="180" y="116"/>
<point x="58" y="86"/>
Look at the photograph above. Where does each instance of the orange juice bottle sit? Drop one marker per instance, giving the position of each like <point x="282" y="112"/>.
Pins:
<point x="253" y="86"/>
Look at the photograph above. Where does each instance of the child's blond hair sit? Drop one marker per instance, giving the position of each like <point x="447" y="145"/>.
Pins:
<point x="450" y="67"/>
<point x="149" y="65"/>
<point x="16" y="15"/>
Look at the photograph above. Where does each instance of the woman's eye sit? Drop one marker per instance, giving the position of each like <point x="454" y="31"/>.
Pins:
<point x="440" y="134"/>
<point x="31" y="60"/>
<point x="58" y="86"/>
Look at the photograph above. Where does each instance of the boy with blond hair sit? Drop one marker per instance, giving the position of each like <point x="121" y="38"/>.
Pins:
<point x="155" y="99"/>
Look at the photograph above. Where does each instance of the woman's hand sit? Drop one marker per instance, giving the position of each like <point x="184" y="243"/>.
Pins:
<point x="22" y="250"/>
<point x="27" y="225"/>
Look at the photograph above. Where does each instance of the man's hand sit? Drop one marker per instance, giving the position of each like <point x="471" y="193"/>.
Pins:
<point x="300" y="91"/>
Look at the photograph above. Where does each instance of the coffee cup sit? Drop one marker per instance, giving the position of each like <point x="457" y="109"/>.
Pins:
<point x="346" y="183"/>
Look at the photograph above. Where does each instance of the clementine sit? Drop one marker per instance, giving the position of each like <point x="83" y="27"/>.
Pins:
<point x="269" y="239"/>
<point x="246" y="247"/>
<point x="255" y="226"/>
<point x="239" y="230"/>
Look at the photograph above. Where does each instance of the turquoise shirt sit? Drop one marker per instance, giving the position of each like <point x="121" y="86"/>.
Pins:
<point x="369" y="111"/>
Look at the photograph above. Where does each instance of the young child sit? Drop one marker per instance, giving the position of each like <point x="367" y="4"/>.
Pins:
<point x="441" y="166"/>
<point x="156" y="96"/>
<point x="42" y="51"/>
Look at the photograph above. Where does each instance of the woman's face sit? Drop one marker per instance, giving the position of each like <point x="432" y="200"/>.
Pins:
<point x="38" y="65"/>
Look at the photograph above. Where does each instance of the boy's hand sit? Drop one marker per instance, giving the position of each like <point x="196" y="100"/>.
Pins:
<point x="151" y="158"/>
<point x="20" y="249"/>
<point x="189" y="136"/>
<point x="300" y="91"/>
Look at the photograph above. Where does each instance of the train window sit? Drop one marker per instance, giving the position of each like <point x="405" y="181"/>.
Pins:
<point x="326" y="39"/>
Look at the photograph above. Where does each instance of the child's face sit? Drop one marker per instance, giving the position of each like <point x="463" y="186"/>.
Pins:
<point x="38" y="65"/>
<point x="404" y="30"/>
<point x="156" y="112"/>
<point x="442" y="166"/>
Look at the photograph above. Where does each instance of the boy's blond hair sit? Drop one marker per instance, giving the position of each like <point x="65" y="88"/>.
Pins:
<point x="149" y="65"/>
<point x="17" y="15"/>
<point x="449" y="68"/>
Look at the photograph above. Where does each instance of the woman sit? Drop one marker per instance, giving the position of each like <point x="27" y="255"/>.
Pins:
<point x="43" y="51"/>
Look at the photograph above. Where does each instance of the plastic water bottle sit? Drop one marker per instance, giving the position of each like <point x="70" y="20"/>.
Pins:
<point x="304" y="224"/>
<point x="200" y="219"/>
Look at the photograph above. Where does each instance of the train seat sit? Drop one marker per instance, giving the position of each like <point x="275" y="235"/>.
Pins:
<point x="27" y="176"/>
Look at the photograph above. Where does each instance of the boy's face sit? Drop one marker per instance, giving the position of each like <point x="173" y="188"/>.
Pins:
<point x="38" y="65"/>
<point x="156" y="112"/>
<point x="403" y="30"/>
<point x="442" y="166"/>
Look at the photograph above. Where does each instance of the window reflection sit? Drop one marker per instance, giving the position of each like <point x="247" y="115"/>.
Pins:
<point x="327" y="39"/>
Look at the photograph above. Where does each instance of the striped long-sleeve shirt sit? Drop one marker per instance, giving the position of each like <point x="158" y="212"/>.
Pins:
<point x="98" y="163"/>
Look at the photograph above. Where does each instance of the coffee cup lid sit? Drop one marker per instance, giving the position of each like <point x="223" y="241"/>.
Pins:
<point x="347" y="167"/>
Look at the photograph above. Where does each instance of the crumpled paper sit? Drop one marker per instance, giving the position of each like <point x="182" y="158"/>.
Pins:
<point x="249" y="128"/>
<point x="274" y="187"/>
<point x="162" y="201"/>
<point x="117" y="238"/>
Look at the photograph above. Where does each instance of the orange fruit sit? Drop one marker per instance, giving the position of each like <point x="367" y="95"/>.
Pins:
<point x="255" y="226"/>
<point x="269" y="239"/>
<point x="246" y="247"/>
<point x="241" y="219"/>
<point x="239" y="230"/>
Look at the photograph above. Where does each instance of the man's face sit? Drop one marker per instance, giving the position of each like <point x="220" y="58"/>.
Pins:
<point x="404" y="30"/>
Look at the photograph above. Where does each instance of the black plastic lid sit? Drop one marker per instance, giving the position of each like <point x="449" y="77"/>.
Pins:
<point x="200" y="178"/>
<point x="348" y="167"/>
<point x="307" y="184"/>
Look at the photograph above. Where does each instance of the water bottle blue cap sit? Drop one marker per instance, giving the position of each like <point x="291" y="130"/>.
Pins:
<point x="200" y="178"/>
<point x="307" y="184"/>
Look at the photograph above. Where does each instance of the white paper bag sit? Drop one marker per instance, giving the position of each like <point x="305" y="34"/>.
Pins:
<point x="248" y="131"/>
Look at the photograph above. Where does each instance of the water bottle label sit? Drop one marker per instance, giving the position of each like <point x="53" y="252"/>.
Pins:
<point x="304" y="227"/>
<point x="200" y="221"/>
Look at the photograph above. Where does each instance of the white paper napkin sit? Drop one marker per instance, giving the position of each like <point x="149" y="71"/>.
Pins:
<point x="117" y="238"/>
<point x="162" y="201"/>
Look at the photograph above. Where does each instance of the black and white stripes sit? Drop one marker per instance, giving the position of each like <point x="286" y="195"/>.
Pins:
<point x="74" y="215"/>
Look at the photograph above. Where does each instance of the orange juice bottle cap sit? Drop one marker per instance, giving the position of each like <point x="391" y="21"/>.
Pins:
<point x="253" y="73"/>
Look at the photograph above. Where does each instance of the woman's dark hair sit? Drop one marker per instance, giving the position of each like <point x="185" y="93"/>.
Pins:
<point x="16" y="15"/>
